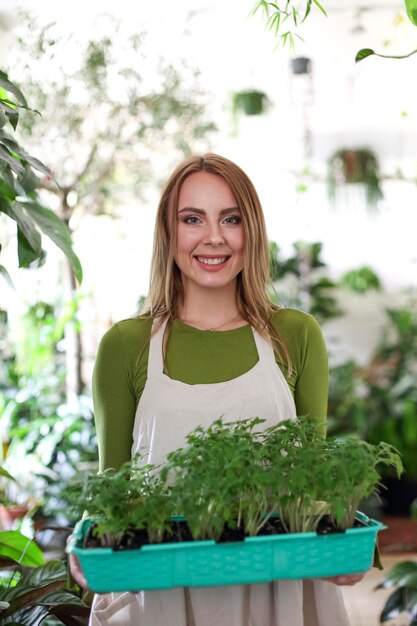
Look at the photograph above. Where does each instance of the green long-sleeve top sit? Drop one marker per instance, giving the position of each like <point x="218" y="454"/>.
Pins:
<point x="197" y="356"/>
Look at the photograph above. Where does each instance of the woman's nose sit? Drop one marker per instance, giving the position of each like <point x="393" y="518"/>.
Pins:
<point x="214" y="235"/>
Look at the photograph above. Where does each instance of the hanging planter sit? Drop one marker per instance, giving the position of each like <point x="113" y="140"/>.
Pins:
<point x="300" y="65"/>
<point x="249" y="102"/>
<point x="355" y="166"/>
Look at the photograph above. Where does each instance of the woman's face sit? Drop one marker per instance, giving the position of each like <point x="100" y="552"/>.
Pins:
<point x="210" y="237"/>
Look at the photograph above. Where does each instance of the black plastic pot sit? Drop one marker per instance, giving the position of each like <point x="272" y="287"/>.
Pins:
<point x="300" y="65"/>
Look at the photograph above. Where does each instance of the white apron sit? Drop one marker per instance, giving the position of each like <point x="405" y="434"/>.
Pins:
<point x="168" y="410"/>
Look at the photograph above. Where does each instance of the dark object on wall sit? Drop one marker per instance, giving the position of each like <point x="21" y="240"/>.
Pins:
<point x="300" y="65"/>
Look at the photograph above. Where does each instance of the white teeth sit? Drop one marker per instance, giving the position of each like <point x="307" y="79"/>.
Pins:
<point x="212" y="261"/>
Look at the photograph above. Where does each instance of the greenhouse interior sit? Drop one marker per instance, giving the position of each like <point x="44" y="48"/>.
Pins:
<point x="284" y="136"/>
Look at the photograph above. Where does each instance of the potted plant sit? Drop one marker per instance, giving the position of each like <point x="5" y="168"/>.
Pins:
<point x="32" y="590"/>
<point x="391" y="397"/>
<point x="11" y="507"/>
<point x="378" y="401"/>
<point x="250" y="102"/>
<point x="361" y="280"/>
<point x="275" y="481"/>
<point x="355" y="166"/>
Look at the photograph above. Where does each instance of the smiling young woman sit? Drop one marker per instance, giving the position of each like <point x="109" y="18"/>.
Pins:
<point x="209" y="251"/>
<point x="209" y="342"/>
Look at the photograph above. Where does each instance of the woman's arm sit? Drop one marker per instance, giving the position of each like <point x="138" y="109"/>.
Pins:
<point x="114" y="401"/>
<point x="312" y="384"/>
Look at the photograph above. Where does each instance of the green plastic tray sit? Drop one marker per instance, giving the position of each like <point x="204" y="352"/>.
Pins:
<point x="207" y="563"/>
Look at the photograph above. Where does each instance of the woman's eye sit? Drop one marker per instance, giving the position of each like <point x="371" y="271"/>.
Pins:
<point x="191" y="219"/>
<point x="233" y="219"/>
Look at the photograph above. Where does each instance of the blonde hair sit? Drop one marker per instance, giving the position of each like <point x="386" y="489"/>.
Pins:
<point x="166" y="292"/>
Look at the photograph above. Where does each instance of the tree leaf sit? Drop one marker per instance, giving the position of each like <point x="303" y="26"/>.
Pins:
<point x="56" y="230"/>
<point x="363" y="53"/>
<point x="13" y="118"/>
<point x="8" y="105"/>
<point x="16" y="212"/>
<point x="20" y="548"/>
<point x="6" y="191"/>
<point x="411" y="601"/>
<point x="28" y="616"/>
<point x="6" y="474"/>
<point x="12" y="88"/>
<point x="6" y="276"/>
<point x="27" y="255"/>
<point x="398" y="574"/>
<point x="394" y="605"/>
<point x="28" y="181"/>
<point x="38" y="165"/>
<point x="3" y="119"/>
<point x="21" y="596"/>
<point x="71" y="615"/>
<point x="49" y="572"/>
<point x="411" y="6"/>
<point x="64" y="598"/>
<point x="11" y="144"/>
<point x="6" y="156"/>
<point x="322" y="9"/>
<point x="9" y="109"/>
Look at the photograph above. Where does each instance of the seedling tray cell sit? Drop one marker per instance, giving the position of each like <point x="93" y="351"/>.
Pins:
<point x="207" y="563"/>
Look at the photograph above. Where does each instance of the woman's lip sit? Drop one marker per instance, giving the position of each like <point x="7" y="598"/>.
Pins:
<point x="212" y="256"/>
<point x="214" y="266"/>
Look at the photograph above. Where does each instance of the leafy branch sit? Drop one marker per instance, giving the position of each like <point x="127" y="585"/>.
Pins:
<point x="279" y="15"/>
<point x="364" y="53"/>
<point x="18" y="190"/>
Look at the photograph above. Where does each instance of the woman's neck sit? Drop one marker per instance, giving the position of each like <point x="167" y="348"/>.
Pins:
<point x="211" y="309"/>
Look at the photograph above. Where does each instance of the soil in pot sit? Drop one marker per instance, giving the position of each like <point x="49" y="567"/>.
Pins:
<point x="135" y="539"/>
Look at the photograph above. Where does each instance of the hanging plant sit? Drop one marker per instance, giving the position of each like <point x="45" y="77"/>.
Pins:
<point x="249" y="102"/>
<point x="361" y="280"/>
<point x="355" y="166"/>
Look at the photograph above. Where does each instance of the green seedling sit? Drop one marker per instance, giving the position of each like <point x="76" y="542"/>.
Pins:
<point x="234" y="476"/>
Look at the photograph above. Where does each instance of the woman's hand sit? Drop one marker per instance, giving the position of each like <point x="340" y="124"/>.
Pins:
<point x="349" y="579"/>
<point x="76" y="571"/>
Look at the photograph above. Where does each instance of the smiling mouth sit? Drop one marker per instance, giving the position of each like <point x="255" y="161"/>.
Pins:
<point x="212" y="261"/>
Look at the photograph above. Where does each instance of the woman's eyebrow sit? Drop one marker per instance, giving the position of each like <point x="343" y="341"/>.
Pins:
<point x="232" y="209"/>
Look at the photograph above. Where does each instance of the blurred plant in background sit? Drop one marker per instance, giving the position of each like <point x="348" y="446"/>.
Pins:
<point x="46" y="442"/>
<point x="301" y="280"/>
<point x="284" y="17"/>
<point x="19" y="186"/>
<point x="110" y="115"/>
<point x="378" y="401"/>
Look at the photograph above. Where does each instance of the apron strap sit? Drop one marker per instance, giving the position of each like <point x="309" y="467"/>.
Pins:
<point x="265" y="350"/>
<point x="155" y="360"/>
